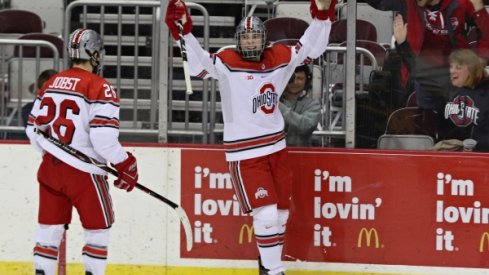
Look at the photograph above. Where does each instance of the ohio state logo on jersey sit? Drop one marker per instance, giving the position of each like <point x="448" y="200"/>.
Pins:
<point x="462" y="111"/>
<point x="261" y="193"/>
<point x="267" y="99"/>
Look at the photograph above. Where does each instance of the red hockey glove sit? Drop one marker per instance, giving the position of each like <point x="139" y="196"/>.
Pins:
<point x="174" y="12"/>
<point x="128" y="173"/>
<point x="323" y="14"/>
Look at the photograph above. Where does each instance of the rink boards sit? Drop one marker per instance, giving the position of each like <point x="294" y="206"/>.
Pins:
<point x="353" y="212"/>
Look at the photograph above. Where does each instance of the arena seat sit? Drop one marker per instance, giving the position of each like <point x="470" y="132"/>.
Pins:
<point x="44" y="52"/>
<point x="405" y="142"/>
<point x="377" y="50"/>
<point x="364" y="31"/>
<point x="412" y="121"/>
<point x="20" y="21"/>
<point x="16" y="22"/>
<point x="285" y="29"/>
<point x="411" y="101"/>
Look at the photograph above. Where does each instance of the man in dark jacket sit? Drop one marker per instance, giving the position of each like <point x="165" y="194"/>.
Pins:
<point x="301" y="112"/>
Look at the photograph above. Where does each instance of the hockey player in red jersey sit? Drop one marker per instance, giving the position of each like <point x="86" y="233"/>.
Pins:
<point x="251" y="79"/>
<point x="81" y="109"/>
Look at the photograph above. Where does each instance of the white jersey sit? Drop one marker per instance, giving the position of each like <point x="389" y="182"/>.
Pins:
<point x="80" y="109"/>
<point x="250" y="91"/>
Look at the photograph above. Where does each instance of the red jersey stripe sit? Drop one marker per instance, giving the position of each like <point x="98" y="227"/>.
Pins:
<point x="95" y="252"/>
<point x="104" y="122"/>
<point x="46" y="251"/>
<point x="253" y="143"/>
<point x="273" y="57"/>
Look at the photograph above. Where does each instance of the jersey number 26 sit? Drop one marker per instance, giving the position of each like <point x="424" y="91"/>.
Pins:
<point x="61" y="121"/>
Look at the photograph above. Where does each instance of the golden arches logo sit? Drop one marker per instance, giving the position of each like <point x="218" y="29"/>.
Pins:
<point x="368" y="237"/>
<point x="249" y="233"/>
<point x="484" y="239"/>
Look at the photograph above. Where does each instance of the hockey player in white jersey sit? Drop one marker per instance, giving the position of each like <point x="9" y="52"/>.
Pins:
<point x="81" y="109"/>
<point x="251" y="79"/>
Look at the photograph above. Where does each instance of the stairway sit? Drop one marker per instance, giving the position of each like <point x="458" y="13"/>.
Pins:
<point x="131" y="64"/>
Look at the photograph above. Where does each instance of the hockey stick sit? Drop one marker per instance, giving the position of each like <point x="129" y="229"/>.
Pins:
<point x="81" y="156"/>
<point x="183" y="50"/>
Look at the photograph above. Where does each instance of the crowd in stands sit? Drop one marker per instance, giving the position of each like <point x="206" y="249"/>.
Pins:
<point x="453" y="87"/>
<point x="426" y="32"/>
<point x="433" y="29"/>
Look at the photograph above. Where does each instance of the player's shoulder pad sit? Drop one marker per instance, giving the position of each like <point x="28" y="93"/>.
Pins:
<point x="281" y="51"/>
<point x="101" y="90"/>
<point x="273" y="57"/>
<point x="228" y="56"/>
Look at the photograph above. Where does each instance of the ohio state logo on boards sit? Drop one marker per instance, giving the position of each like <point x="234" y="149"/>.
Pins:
<point x="266" y="100"/>
<point x="462" y="111"/>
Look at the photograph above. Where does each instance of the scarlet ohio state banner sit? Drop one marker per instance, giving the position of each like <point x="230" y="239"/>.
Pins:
<point x="352" y="206"/>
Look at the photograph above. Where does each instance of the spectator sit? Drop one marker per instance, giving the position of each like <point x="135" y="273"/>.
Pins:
<point x="431" y="39"/>
<point x="43" y="77"/>
<point x="301" y="112"/>
<point x="251" y="80"/>
<point x="466" y="114"/>
<point x="26" y="109"/>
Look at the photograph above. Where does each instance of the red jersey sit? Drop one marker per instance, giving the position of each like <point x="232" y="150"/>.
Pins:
<point x="81" y="109"/>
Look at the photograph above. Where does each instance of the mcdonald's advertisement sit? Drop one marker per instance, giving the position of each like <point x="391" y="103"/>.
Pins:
<point x="221" y="230"/>
<point x="352" y="206"/>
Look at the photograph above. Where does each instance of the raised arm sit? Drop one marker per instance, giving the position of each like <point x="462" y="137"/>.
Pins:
<point x="319" y="8"/>
<point x="481" y="19"/>
<point x="402" y="46"/>
<point x="200" y="61"/>
<point x="315" y="39"/>
<point x="175" y="12"/>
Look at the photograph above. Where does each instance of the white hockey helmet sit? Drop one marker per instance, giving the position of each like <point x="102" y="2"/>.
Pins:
<point x="251" y="24"/>
<point x="86" y="44"/>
